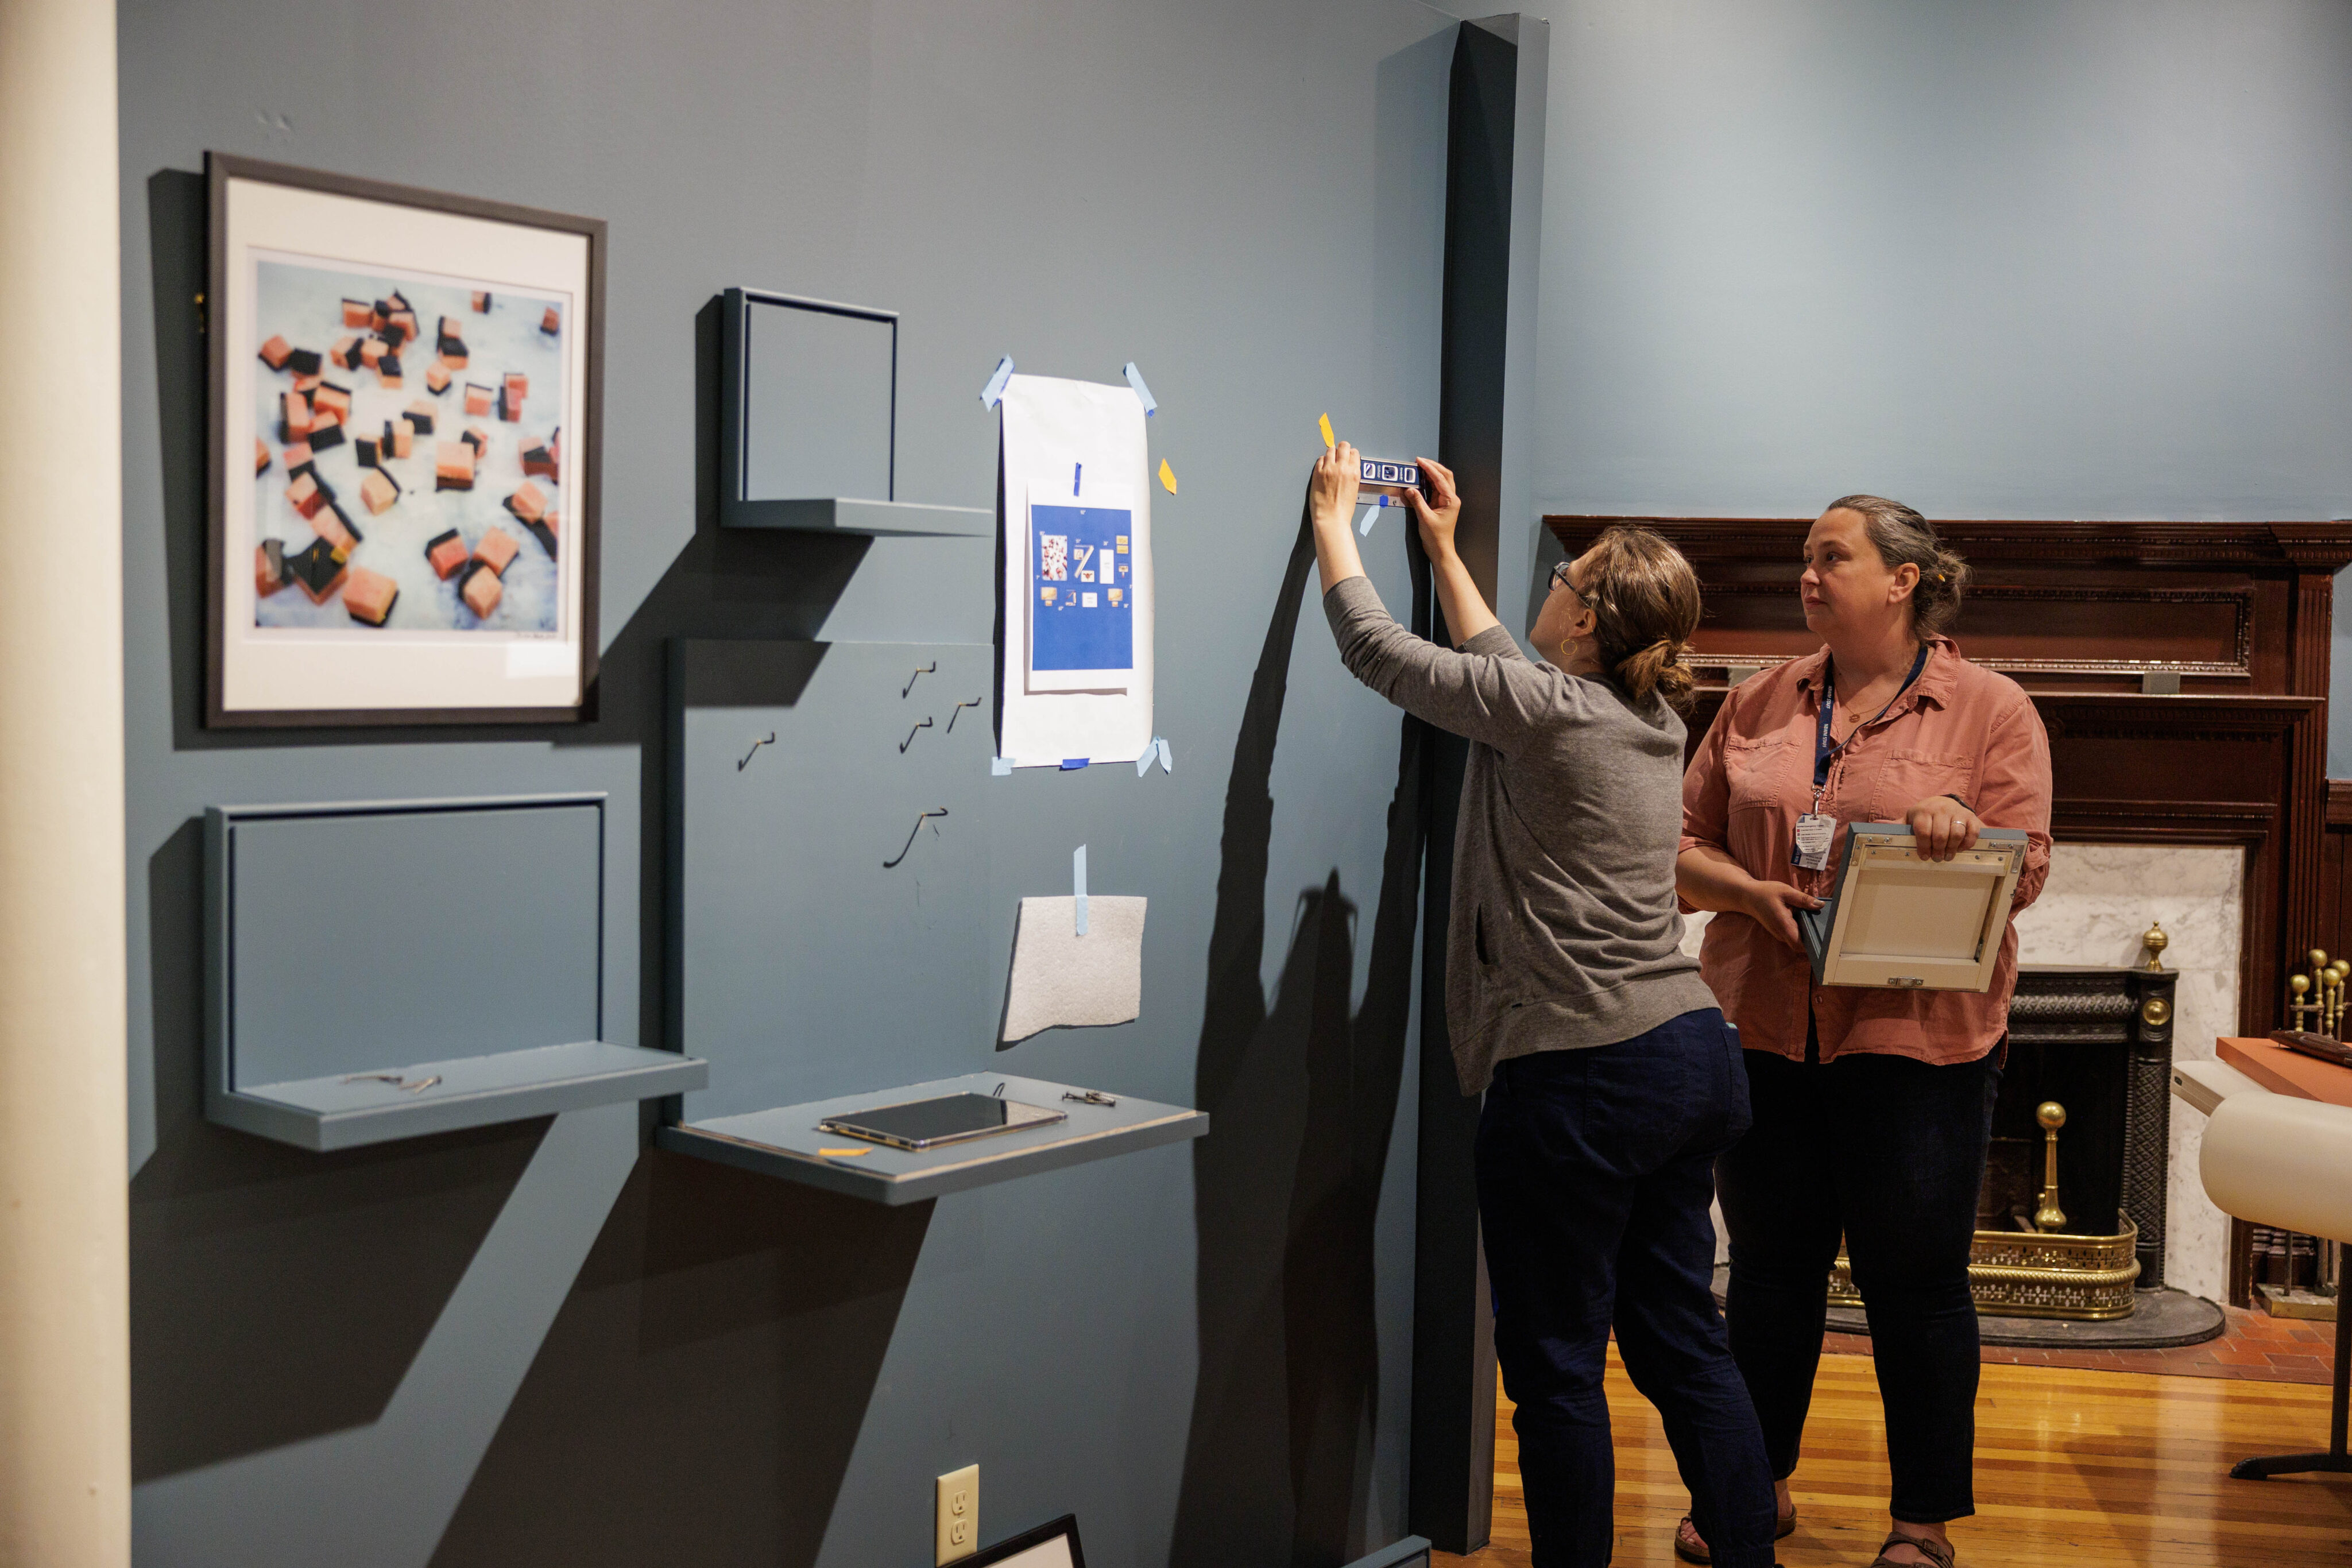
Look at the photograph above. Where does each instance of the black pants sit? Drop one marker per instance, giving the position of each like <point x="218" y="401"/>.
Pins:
<point x="1595" y="1168"/>
<point x="1892" y="1153"/>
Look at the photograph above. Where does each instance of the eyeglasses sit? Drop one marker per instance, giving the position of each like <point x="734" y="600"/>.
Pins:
<point x="1561" y="578"/>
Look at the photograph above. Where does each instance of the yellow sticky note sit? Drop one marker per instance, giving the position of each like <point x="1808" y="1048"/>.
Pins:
<point x="843" y="1153"/>
<point x="1329" y="439"/>
<point x="1167" y="483"/>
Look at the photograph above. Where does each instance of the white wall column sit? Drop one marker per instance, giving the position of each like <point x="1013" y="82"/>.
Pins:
<point x="65" y="1380"/>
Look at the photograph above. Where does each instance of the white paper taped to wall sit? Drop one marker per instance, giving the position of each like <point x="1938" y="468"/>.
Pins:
<point x="1064" y="980"/>
<point x="1076" y="561"/>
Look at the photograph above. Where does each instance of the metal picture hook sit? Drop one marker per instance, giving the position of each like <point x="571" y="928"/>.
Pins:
<point x="958" y="708"/>
<point x="771" y="740"/>
<point x="397" y="1080"/>
<point x="918" y="674"/>
<point x="911" y="734"/>
<point x="918" y="828"/>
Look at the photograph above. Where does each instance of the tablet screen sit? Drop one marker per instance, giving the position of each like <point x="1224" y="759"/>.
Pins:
<point x="950" y="1118"/>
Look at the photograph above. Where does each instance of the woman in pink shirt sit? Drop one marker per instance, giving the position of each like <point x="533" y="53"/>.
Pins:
<point x="1873" y="1107"/>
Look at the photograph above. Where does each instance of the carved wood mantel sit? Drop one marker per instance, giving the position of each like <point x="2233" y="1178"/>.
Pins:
<point x="2080" y="613"/>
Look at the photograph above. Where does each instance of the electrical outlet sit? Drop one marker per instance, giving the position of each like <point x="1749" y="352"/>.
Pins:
<point x="957" y="1515"/>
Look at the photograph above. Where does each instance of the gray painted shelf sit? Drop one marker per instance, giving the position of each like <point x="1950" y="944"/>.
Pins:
<point x="470" y="954"/>
<point x="785" y="1142"/>
<point x="338" y="1113"/>
<point x="847" y="515"/>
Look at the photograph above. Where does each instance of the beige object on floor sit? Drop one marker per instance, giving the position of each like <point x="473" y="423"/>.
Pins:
<point x="2273" y="1159"/>
<point x="1064" y="980"/>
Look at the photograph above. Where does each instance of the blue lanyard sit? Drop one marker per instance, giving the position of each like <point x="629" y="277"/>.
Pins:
<point x="1823" y="752"/>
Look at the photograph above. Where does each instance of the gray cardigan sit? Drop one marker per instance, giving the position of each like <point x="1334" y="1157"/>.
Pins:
<point x="1564" y="928"/>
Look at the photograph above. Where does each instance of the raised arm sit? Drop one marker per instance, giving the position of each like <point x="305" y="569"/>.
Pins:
<point x="1333" y="504"/>
<point x="1485" y="690"/>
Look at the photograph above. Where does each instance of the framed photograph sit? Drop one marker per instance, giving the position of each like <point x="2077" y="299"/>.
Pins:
<point x="405" y="450"/>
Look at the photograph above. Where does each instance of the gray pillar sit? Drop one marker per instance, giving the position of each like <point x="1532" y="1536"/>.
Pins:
<point x="1485" y="435"/>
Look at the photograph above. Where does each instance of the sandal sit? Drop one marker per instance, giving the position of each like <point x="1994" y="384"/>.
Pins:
<point x="1691" y="1549"/>
<point x="1933" y="1551"/>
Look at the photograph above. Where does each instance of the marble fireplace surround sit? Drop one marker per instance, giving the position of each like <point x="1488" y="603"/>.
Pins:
<point x="2098" y="902"/>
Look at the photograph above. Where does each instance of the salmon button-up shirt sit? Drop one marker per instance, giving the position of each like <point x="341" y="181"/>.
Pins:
<point x="1961" y="729"/>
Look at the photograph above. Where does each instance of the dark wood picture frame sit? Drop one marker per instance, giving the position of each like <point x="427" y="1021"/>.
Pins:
<point x="584" y="489"/>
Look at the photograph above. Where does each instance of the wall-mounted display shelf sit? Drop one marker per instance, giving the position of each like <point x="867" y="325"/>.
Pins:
<point x="831" y="918"/>
<point x="881" y="520"/>
<point x="785" y="1141"/>
<point x="808" y="422"/>
<point x="386" y="970"/>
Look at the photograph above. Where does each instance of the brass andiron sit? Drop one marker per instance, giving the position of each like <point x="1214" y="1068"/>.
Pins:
<point x="2154" y="941"/>
<point x="2050" y="1217"/>
<point x="2318" y="996"/>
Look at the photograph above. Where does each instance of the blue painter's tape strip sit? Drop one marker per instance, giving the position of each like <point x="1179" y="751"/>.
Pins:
<point x="1078" y="885"/>
<point x="1371" y="516"/>
<point x="1071" y="764"/>
<point x="1135" y="380"/>
<point x="1167" y="758"/>
<point x="1000" y="768"/>
<point x="1143" y="763"/>
<point x="1078" y="475"/>
<point x="993" y="392"/>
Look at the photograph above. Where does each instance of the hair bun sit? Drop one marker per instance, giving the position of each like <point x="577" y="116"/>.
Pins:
<point x="1645" y="603"/>
<point x="1903" y="537"/>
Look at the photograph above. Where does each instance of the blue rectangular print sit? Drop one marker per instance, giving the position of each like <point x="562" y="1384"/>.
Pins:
<point x="1082" y="604"/>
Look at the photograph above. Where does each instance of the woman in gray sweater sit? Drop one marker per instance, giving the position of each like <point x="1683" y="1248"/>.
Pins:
<point x="1611" y="1079"/>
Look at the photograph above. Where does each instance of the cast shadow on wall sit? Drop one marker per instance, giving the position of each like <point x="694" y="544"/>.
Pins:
<point x="1288" y="1331"/>
<point x="724" y="583"/>
<point x="279" y="1295"/>
<point x="704" y="1382"/>
<point x="715" y="1358"/>
<point x="275" y="1295"/>
<point x="701" y="1390"/>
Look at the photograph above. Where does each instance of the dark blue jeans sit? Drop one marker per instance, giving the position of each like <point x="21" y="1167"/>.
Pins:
<point x="1892" y="1153"/>
<point x="1595" y="1169"/>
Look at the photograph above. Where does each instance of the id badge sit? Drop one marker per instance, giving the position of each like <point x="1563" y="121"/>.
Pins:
<point x="1816" y="830"/>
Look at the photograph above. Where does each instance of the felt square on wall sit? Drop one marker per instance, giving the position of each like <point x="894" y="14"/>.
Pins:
<point x="1063" y="980"/>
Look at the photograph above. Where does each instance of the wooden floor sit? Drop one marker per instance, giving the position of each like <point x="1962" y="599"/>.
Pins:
<point x="2100" y="1469"/>
<point x="2252" y="1346"/>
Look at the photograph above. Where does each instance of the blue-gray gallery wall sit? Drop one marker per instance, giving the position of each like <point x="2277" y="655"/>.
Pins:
<point x="2000" y="258"/>
<point x="2081" y="258"/>
<point x="544" y="1344"/>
